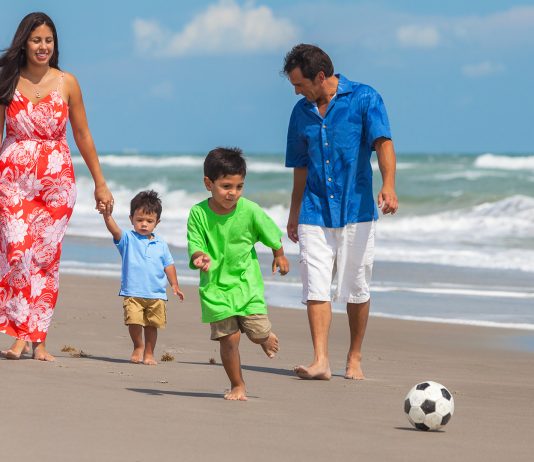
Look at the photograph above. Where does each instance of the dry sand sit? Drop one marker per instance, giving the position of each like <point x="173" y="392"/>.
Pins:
<point x="102" y="408"/>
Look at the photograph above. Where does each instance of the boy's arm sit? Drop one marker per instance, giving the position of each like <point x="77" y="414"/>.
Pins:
<point x="280" y="261"/>
<point x="170" y="271"/>
<point x="112" y="226"/>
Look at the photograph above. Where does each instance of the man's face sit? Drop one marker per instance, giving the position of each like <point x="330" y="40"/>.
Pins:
<point x="310" y="89"/>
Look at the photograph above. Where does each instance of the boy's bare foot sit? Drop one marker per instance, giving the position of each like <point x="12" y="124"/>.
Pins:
<point x="137" y="355"/>
<point x="40" y="354"/>
<point x="316" y="371"/>
<point x="270" y="346"/>
<point x="237" y="393"/>
<point x="149" y="361"/>
<point x="353" y="370"/>
<point x="19" y="348"/>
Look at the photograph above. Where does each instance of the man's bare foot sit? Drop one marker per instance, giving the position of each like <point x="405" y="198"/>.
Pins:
<point x="237" y="393"/>
<point x="353" y="370"/>
<point x="149" y="361"/>
<point x="137" y="355"/>
<point x="270" y="346"/>
<point x="19" y="348"/>
<point x="317" y="371"/>
<point x="40" y="354"/>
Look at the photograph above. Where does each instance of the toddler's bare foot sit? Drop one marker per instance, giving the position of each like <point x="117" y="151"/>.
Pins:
<point x="316" y="371"/>
<point x="353" y="370"/>
<point x="40" y="354"/>
<point x="270" y="346"/>
<point x="149" y="361"/>
<point x="137" y="355"/>
<point x="237" y="393"/>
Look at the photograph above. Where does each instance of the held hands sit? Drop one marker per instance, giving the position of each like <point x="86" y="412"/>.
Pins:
<point x="387" y="201"/>
<point x="104" y="199"/>
<point x="202" y="262"/>
<point x="282" y="264"/>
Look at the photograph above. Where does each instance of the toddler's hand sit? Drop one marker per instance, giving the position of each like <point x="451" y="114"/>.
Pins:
<point x="202" y="262"/>
<point x="176" y="291"/>
<point x="101" y="207"/>
<point x="282" y="264"/>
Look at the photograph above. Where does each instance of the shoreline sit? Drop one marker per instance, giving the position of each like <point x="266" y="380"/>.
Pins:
<point x="97" y="397"/>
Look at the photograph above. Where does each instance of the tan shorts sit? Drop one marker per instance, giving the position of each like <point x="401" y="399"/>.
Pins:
<point x="145" y="312"/>
<point x="256" y="326"/>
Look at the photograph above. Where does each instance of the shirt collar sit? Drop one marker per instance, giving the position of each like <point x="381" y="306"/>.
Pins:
<point x="141" y="237"/>
<point x="344" y="85"/>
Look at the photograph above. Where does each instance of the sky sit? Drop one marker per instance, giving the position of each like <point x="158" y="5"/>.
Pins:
<point x="185" y="76"/>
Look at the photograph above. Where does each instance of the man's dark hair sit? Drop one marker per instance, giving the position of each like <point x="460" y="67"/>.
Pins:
<point x="310" y="59"/>
<point x="221" y="162"/>
<point x="147" y="202"/>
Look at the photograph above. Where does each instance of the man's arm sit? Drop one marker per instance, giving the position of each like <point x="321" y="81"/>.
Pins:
<point x="387" y="197"/>
<point x="299" y="183"/>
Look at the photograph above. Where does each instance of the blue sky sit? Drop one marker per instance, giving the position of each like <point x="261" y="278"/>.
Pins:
<point x="185" y="76"/>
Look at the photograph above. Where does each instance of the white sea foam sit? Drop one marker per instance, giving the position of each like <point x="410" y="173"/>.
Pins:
<point x="494" y="161"/>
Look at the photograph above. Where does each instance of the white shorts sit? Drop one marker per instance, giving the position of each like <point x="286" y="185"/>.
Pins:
<point x="347" y="252"/>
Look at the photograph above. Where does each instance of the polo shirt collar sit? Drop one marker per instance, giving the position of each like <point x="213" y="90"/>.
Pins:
<point x="344" y="85"/>
<point x="140" y="236"/>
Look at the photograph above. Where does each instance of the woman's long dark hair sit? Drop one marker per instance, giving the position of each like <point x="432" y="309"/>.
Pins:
<point x="14" y="58"/>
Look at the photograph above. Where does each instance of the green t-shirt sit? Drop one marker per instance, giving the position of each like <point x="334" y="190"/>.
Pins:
<point x="233" y="285"/>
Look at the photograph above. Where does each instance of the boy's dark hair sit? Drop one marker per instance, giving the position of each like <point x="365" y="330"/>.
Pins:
<point x="146" y="201"/>
<point x="310" y="59"/>
<point x="221" y="162"/>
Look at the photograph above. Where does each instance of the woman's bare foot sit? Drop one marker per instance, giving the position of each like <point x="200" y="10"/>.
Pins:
<point x="149" y="361"/>
<point x="137" y="355"/>
<point x="353" y="370"/>
<point x="237" y="393"/>
<point x="40" y="353"/>
<point x="316" y="371"/>
<point x="270" y="346"/>
<point x="19" y="348"/>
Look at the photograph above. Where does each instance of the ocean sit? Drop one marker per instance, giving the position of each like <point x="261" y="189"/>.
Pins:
<point x="460" y="249"/>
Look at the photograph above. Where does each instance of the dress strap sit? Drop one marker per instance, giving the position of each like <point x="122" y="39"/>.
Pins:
<point x="60" y="83"/>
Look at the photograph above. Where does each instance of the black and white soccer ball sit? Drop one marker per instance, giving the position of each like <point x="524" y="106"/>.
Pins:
<point x="429" y="406"/>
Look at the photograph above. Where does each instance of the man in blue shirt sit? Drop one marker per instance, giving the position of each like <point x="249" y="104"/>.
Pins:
<point x="332" y="133"/>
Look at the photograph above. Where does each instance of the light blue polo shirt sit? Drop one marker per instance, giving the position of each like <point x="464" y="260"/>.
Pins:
<point x="337" y="151"/>
<point x="143" y="264"/>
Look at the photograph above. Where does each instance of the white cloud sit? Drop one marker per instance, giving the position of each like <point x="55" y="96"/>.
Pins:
<point x="418" y="36"/>
<point x="482" y="69"/>
<point x="223" y="28"/>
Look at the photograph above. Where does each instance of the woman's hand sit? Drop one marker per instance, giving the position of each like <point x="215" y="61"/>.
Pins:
<point x="104" y="197"/>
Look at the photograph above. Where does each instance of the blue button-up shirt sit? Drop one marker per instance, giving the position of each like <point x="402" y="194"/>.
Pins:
<point x="337" y="151"/>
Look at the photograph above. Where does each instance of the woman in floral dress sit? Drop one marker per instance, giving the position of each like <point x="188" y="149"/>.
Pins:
<point x="37" y="186"/>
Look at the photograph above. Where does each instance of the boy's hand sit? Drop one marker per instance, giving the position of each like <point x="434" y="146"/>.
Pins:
<point x="101" y="207"/>
<point x="282" y="264"/>
<point x="176" y="291"/>
<point x="202" y="262"/>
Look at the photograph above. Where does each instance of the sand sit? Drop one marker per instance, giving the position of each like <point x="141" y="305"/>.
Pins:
<point x="100" y="407"/>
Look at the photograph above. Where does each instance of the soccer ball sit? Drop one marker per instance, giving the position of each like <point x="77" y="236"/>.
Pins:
<point x="429" y="406"/>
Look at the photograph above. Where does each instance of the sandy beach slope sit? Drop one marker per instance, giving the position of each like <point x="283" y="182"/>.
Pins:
<point x="102" y="408"/>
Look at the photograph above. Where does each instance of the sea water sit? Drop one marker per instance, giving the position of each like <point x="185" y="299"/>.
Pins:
<point x="460" y="248"/>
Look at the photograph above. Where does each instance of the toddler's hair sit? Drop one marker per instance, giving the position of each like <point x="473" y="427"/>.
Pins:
<point x="147" y="202"/>
<point x="221" y="162"/>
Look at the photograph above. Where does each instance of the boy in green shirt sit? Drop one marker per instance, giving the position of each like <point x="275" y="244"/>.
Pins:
<point x="221" y="233"/>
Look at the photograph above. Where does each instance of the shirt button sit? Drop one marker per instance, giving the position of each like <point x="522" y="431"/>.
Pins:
<point x="327" y="161"/>
<point x="324" y="126"/>
<point x="331" y="196"/>
<point x="329" y="179"/>
<point x="326" y="144"/>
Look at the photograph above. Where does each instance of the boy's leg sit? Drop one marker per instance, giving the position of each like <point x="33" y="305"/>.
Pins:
<point x="151" y="337"/>
<point x="358" y="314"/>
<point x="136" y="334"/>
<point x="232" y="365"/>
<point x="319" y="317"/>
<point x="258" y="330"/>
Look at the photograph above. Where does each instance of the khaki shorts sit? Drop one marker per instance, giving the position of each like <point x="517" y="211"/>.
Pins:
<point x="145" y="312"/>
<point x="256" y="326"/>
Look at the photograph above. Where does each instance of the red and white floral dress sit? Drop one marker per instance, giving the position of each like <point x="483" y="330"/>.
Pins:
<point x="37" y="195"/>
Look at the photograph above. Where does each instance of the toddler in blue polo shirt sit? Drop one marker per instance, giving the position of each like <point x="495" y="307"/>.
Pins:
<point x="147" y="264"/>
